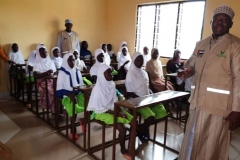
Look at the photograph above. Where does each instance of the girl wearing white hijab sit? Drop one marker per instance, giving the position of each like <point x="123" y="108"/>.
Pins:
<point x="79" y="64"/>
<point x="44" y="66"/>
<point x="123" y="63"/>
<point x="29" y="73"/>
<point x="57" y="60"/>
<point x="107" y="59"/>
<point x="15" y="54"/>
<point x="123" y="44"/>
<point x="154" y="68"/>
<point x="69" y="77"/>
<point x="137" y="84"/>
<point x="99" y="58"/>
<point x="102" y="101"/>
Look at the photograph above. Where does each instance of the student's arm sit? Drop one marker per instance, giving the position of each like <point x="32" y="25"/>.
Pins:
<point x="59" y="44"/>
<point x="40" y="75"/>
<point x="3" y="56"/>
<point x="94" y="79"/>
<point x="234" y="116"/>
<point x="168" y="67"/>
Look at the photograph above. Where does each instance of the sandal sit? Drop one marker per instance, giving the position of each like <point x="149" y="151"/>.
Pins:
<point x="82" y="124"/>
<point x="75" y="136"/>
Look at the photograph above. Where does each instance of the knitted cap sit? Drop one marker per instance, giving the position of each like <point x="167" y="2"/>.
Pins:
<point x="224" y="9"/>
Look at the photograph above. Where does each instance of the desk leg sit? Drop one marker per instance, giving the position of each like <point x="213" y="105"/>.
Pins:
<point x="166" y="82"/>
<point x="114" y="131"/>
<point x="86" y="99"/>
<point x="133" y="134"/>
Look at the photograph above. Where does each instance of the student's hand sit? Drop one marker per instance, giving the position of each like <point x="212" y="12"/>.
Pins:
<point x="121" y="114"/>
<point x="234" y="120"/>
<point x="9" y="61"/>
<point x="49" y="72"/>
<point x="126" y="62"/>
<point x="181" y="73"/>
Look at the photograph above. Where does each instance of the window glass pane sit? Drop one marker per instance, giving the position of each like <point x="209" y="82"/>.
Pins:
<point x="145" y="27"/>
<point x="167" y="29"/>
<point x="190" y="27"/>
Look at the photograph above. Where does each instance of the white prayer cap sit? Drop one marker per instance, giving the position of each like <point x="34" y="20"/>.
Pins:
<point x="224" y="9"/>
<point x="68" y="21"/>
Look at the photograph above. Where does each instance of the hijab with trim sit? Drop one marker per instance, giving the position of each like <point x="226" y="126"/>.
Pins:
<point x="103" y="95"/>
<point x="68" y="77"/>
<point x="137" y="80"/>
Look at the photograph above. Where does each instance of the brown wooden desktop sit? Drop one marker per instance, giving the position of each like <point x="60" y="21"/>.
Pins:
<point x="141" y="102"/>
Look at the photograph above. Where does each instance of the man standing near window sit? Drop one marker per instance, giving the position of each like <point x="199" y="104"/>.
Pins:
<point x="215" y="91"/>
<point x="68" y="39"/>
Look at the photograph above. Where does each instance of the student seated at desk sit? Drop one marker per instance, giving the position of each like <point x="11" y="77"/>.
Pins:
<point x="154" y="68"/>
<point x="107" y="59"/>
<point x="99" y="58"/>
<point x="57" y="60"/>
<point x="110" y="51"/>
<point x="79" y="64"/>
<point x="44" y="66"/>
<point x="173" y="65"/>
<point x="123" y="44"/>
<point x="137" y="84"/>
<point x="102" y="101"/>
<point x="85" y="53"/>
<point x="69" y="77"/>
<point x="123" y="63"/>
<point x="146" y="56"/>
<point x="15" y="55"/>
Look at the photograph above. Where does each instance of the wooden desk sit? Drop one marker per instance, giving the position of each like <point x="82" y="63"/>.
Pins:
<point x="141" y="102"/>
<point x="114" y="65"/>
<point x="120" y="83"/>
<point x="169" y="75"/>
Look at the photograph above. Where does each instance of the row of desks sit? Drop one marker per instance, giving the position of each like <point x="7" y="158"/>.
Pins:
<point x="132" y="104"/>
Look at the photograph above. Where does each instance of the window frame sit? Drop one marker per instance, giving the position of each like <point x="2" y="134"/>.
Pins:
<point x="161" y="3"/>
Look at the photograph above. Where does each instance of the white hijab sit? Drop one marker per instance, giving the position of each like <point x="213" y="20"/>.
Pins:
<point x="120" y="50"/>
<point x="146" y="58"/>
<point x="31" y="60"/>
<point x="16" y="57"/>
<point x="56" y="60"/>
<point x="43" y="64"/>
<point x="137" y="80"/>
<point x="107" y="59"/>
<point x="79" y="64"/>
<point x="123" y="59"/>
<point x="68" y="77"/>
<point x="103" y="95"/>
<point x="94" y="68"/>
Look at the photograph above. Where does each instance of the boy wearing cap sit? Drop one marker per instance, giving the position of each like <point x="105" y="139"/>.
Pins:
<point x="215" y="91"/>
<point x="68" y="39"/>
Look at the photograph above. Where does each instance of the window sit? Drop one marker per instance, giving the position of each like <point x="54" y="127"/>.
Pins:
<point x="170" y="26"/>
